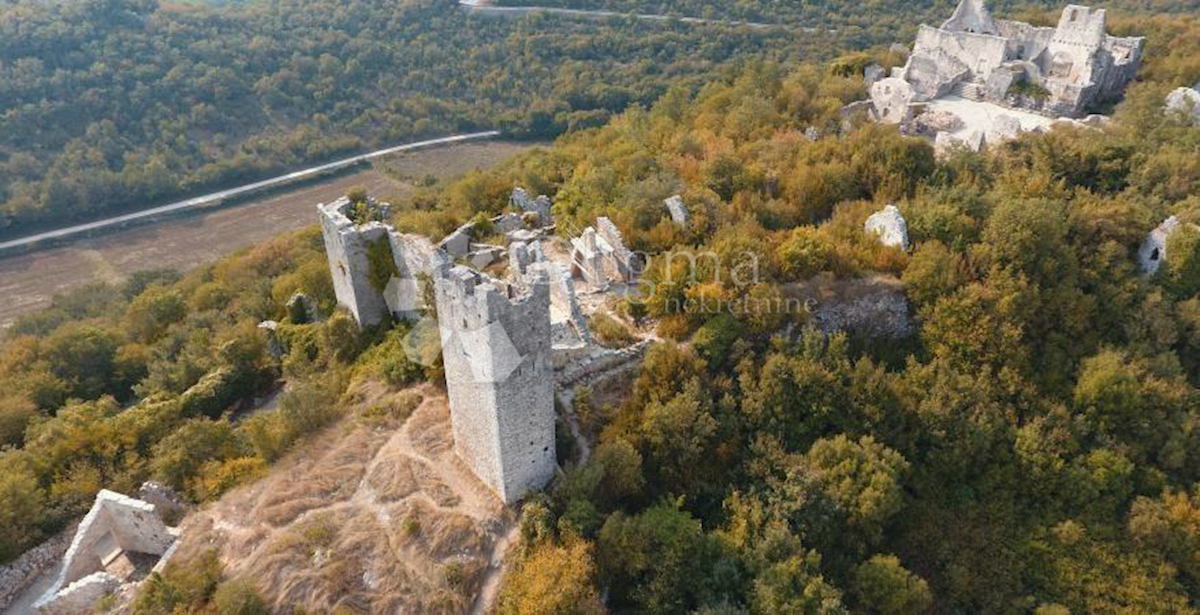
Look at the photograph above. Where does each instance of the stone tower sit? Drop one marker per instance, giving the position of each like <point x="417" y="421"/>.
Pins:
<point x="496" y="348"/>
<point x="391" y="285"/>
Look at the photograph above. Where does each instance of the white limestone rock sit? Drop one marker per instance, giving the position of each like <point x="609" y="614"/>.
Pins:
<point x="1153" y="252"/>
<point x="1004" y="127"/>
<point x="889" y="226"/>
<point x="1185" y="101"/>
<point x="939" y="120"/>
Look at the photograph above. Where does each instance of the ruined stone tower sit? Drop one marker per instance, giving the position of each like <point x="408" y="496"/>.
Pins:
<point x="376" y="271"/>
<point x="496" y="348"/>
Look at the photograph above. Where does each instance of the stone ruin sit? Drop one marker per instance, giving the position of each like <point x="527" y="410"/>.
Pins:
<point x="1000" y="78"/>
<point x="119" y="541"/>
<point x="889" y="226"/>
<point x="678" y="210"/>
<point x="1186" y="102"/>
<point x="376" y="271"/>
<point x="534" y="219"/>
<point x="504" y="342"/>
<point x="600" y="257"/>
<point x="539" y="206"/>
<point x="1153" y="251"/>
<point x="496" y="348"/>
<point x="1060" y="71"/>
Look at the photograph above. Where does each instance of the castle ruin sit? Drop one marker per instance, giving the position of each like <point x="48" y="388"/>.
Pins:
<point x="1059" y="72"/>
<point x="505" y="342"/>
<point x="119" y="541"/>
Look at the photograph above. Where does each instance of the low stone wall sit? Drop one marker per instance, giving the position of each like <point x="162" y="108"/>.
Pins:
<point x="579" y="371"/>
<point x="19" y="574"/>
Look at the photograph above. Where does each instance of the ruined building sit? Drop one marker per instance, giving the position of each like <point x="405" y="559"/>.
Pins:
<point x="1059" y="71"/>
<point x="496" y="348"/>
<point x="600" y="257"/>
<point x="119" y="541"/>
<point x="376" y="271"/>
<point x="497" y="344"/>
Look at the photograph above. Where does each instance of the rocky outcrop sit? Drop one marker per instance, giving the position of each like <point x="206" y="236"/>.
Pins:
<point x="1186" y="101"/>
<point x="873" y="308"/>
<point x="889" y="226"/>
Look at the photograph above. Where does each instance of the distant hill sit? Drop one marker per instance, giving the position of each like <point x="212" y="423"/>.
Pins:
<point x="118" y="104"/>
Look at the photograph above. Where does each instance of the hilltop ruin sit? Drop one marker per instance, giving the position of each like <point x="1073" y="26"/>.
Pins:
<point x="990" y="79"/>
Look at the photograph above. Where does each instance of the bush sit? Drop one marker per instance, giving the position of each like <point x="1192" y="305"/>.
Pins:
<point x="178" y="459"/>
<point x="15" y="413"/>
<point x="610" y="332"/>
<point x="181" y="588"/>
<point x="217" y="477"/>
<point x="239" y="598"/>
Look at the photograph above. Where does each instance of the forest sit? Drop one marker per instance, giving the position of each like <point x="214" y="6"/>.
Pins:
<point x="121" y="104"/>
<point x="873" y="22"/>
<point x="1032" y="448"/>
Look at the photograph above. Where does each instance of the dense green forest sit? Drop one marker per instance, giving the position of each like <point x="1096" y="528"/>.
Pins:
<point x="123" y="103"/>
<point x="875" y="21"/>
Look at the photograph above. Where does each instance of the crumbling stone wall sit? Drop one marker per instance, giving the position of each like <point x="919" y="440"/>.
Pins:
<point x="20" y="573"/>
<point x="358" y="282"/>
<point x="496" y="348"/>
<point x="116" y="524"/>
<point x="600" y="257"/>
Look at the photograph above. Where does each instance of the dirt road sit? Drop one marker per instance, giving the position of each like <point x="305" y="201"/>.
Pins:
<point x="28" y="281"/>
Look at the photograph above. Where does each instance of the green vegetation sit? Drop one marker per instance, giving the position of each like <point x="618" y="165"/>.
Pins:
<point x="197" y="587"/>
<point x="112" y="386"/>
<point x="1032" y="90"/>
<point x="1031" y="449"/>
<point x="116" y="104"/>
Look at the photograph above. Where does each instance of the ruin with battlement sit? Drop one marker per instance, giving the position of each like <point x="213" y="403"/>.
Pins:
<point x="1060" y="71"/>
<point x="496" y="349"/>
<point x="506" y="340"/>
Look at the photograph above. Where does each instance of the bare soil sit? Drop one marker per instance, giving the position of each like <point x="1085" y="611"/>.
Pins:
<point x="29" y="281"/>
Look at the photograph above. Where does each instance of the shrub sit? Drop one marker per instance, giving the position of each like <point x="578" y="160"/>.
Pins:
<point x="15" y="413"/>
<point x="217" y="477"/>
<point x="181" y="588"/>
<point x="610" y="332"/>
<point x="239" y="597"/>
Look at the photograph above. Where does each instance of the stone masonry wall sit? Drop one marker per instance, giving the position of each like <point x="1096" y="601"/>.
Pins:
<point x="496" y="347"/>
<point x="19" y="574"/>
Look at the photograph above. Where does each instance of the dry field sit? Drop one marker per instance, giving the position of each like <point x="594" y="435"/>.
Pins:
<point x="28" y="281"/>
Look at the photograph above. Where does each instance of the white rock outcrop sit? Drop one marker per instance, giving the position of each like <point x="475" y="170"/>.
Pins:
<point x="1185" y="101"/>
<point x="889" y="226"/>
